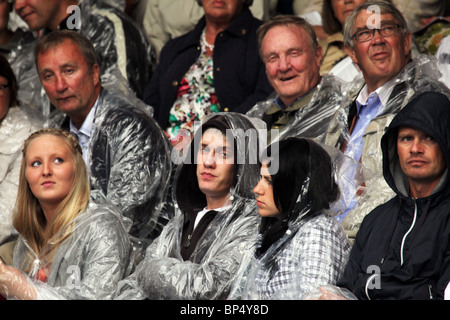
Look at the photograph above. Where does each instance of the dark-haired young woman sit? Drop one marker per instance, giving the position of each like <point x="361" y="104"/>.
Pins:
<point x="301" y="246"/>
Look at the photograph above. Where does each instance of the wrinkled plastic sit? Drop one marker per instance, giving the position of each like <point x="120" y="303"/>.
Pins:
<point x="129" y="163"/>
<point x="18" y="124"/>
<point x="312" y="253"/>
<point x="103" y="26"/>
<point x="312" y="120"/>
<point x="420" y="75"/>
<point x="443" y="57"/>
<point x="329" y="292"/>
<point x="163" y="274"/>
<point x="87" y="265"/>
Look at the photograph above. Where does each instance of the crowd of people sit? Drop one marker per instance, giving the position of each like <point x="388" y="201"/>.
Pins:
<point x="233" y="149"/>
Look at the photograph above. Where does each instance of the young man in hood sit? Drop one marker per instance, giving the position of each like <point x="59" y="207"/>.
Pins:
<point x="402" y="249"/>
<point x="199" y="251"/>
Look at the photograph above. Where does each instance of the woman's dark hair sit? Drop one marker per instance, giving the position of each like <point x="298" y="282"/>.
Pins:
<point x="302" y="163"/>
<point x="7" y="73"/>
<point x="330" y="23"/>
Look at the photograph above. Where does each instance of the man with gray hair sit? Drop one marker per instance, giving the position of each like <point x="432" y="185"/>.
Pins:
<point x="304" y="102"/>
<point x="379" y="43"/>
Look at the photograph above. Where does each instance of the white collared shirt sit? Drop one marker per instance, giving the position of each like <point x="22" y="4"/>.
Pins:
<point x="84" y="133"/>
<point x="383" y="93"/>
<point x="201" y="213"/>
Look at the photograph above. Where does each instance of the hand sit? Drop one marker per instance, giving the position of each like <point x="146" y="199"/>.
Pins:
<point x="328" y="295"/>
<point x="14" y="284"/>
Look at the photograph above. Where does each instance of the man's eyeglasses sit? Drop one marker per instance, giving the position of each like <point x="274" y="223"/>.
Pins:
<point x="367" y="34"/>
<point x="3" y="88"/>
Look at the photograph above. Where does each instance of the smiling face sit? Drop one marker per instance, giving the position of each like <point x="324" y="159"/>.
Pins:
<point x="421" y="159"/>
<point x="264" y="195"/>
<point x="381" y="58"/>
<point x="215" y="167"/>
<point x="292" y="65"/>
<point x="49" y="170"/>
<point x="69" y="83"/>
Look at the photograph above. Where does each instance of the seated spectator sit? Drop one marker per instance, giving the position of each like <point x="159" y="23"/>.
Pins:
<point x="334" y="14"/>
<point x="124" y="56"/>
<point x="69" y="247"/>
<point x="430" y="36"/>
<point x="418" y="11"/>
<point x="164" y="20"/>
<point x="17" y="122"/>
<point x="389" y="78"/>
<point x="9" y="38"/>
<point x="304" y="102"/>
<point x="301" y="246"/>
<point x="126" y="153"/>
<point x="215" y="67"/>
<point x="402" y="248"/>
<point x="199" y="252"/>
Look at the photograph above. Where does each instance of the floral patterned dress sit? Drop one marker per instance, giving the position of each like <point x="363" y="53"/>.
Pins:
<point x="196" y="97"/>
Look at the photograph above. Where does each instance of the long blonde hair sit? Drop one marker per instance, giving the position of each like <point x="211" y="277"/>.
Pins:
<point x="28" y="217"/>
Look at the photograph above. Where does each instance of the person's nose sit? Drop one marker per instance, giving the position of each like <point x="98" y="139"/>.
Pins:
<point x="257" y="189"/>
<point x="416" y="146"/>
<point x="209" y="159"/>
<point x="377" y="37"/>
<point x="46" y="169"/>
<point x="60" y="83"/>
<point x="19" y="5"/>
<point x="284" y="63"/>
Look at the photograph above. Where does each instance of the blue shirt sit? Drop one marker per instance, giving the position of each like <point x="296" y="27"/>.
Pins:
<point x="369" y="106"/>
<point x="366" y="113"/>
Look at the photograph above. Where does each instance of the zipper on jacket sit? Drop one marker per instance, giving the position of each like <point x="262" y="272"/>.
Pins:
<point x="430" y="291"/>
<point x="366" y="289"/>
<point x="408" y="232"/>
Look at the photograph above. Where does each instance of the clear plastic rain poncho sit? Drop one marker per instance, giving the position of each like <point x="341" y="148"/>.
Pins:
<point x="18" y="124"/>
<point x="87" y="265"/>
<point x="311" y="121"/>
<point x="129" y="163"/>
<point x="312" y="251"/>
<point x="212" y="266"/>
<point x="419" y="75"/>
<point x="125" y="58"/>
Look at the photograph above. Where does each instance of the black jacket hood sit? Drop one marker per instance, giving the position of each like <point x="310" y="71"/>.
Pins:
<point x="428" y="112"/>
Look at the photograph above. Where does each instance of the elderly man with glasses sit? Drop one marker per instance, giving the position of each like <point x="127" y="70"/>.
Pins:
<point x="378" y="41"/>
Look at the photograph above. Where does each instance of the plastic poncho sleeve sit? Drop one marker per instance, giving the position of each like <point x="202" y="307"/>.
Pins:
<point x="88" y="265"/>
<point x="160" y="276"/>
<point x="130" y="161"/>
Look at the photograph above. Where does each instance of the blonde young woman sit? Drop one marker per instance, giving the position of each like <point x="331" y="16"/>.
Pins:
<point x="69" y="247"/>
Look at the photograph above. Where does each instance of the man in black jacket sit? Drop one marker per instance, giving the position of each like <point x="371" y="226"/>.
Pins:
<point x="402" y="249"/>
